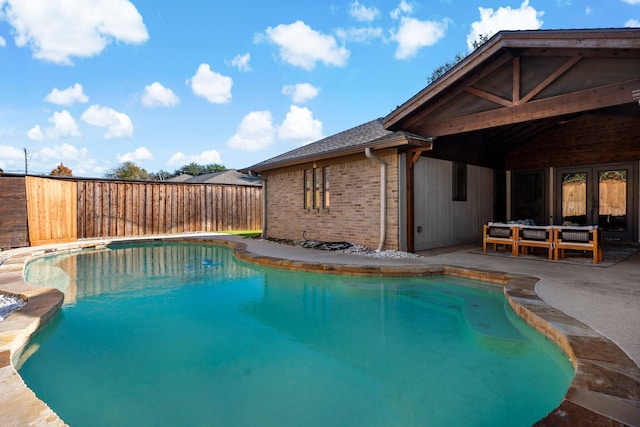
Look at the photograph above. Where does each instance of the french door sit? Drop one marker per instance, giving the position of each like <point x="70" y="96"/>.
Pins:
<point x="601" y="195"/>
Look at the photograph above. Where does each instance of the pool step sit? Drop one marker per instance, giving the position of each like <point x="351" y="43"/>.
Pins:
<point x="484" y="318"/>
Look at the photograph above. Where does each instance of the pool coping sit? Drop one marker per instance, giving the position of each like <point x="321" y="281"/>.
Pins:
<point x="604" y="391"/>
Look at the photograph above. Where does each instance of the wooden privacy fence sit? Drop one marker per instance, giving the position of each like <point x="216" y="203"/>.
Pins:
<point x="13" y="213"/>
<point x="51" y="210"/>
<point x="114" y="209"/>
<point x="60" y="210"/>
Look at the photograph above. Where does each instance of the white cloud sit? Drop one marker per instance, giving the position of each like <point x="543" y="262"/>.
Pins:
<point x="156" y="95"/>
<point x="140" y="153"/>
<point x="35" y="133"/>
<point x="3" y="42"/>
<point x="210" y="85"/>
<point x="64" y="126"/>
<point x="204" y="158"/>
<point x="587" y="11"/>
<point x="255" y="132"/>
<point x="403" y="9"/>
<point x="56" y="31"/>
<point x="632" y="23"/>
<point x="301" y="92"/>
<point x="363" y="13"/>
<point x="632" y="2"/>
<point x="12" y="153"/>
<point x="360" y="35"/>
<point x="241" y="62"/>
<point x="47" y="158"/>
<point x="77" y="159"/>
<point x="413" y="34"/>
<point x="11" y="159"/>
<point x="118" y="125"/>
<point x="301" y="46"/>
<point x="299" y="125"/>
<point x="57" y="153"/>
<point x="505" y="18"/>
<point x="68" y="96"/>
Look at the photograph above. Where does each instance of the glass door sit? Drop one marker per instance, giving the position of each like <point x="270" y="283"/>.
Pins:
<point x="614" y="194"/>
<point x="576" y="205"/>
<point x="597" y="195"/>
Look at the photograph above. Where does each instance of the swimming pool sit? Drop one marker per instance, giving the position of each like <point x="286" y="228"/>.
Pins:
<point x="183" y="334"/>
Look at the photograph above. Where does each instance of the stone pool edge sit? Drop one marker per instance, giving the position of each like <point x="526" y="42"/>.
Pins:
<point x="605" y="389"/>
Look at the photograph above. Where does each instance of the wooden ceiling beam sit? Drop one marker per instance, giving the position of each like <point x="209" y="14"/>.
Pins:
<point x="433" y="106"/>
<point x="489" y="96"/>
<point x="515" y="92"/>
<point x="584" y="100"/>
<point x="516" y="100"/>
<point x="550" y="79"/>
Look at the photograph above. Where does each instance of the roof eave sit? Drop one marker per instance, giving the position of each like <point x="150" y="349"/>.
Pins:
<point x="488" y="49"/>
<point x="396" y="141"/>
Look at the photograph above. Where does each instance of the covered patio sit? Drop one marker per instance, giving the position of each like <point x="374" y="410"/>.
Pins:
<point x="553" y="113"/>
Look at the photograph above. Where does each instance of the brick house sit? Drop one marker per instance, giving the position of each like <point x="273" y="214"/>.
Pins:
<point x="505" y="134"/>
<point x="330" y="190"/>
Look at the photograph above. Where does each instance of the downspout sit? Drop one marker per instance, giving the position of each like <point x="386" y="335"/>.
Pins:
<point x="383" y="195"/>
<point x="264" y="201"/>
<point x="264" y="205"/>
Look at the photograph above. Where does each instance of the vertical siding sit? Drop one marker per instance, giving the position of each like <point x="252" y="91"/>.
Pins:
<point x="443" y="221"/>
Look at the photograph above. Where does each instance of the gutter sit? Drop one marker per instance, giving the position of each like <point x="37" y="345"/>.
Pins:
<point x="383" y="195"/>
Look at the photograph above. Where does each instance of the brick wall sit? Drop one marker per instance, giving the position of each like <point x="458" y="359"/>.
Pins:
<point x="354" y="214"/>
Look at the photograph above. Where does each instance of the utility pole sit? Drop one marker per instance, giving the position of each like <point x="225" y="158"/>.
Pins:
<point x="26" y="161"/>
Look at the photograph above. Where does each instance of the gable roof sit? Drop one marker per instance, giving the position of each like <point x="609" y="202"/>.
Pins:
<point x="371" y="134"/>
<point x="228" y="177"/>
<point x="183" y="177"/>
<point x="550" y="63"/>
<point x="522" y="85"/>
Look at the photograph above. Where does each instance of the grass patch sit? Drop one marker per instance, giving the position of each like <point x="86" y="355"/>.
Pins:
<point x="245" y="233"/>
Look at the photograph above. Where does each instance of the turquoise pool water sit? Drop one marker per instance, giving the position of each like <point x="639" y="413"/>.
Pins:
<point x="182" y="334"/>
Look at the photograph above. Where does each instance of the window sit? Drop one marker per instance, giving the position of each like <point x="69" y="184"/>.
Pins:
<point x="316" y="188"/>
<point x="327" y="194"/>
<point x="308" y="185"/>
<point x="459" y="187"/>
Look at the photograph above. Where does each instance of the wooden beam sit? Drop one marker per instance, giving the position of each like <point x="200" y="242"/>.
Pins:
<point x="515" y="96"/>
<point x="409" y="200"/>
<point x="415" y="153"/>
<point x="433" y="106"/>
<point x="489" y="97"/>
<point x="550" y="79"/>
<point x="516" y="85"/>
<point x="584" y="100"/>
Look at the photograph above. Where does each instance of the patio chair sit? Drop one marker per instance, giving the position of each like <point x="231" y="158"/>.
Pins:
<point x="531" y="236"/>
<point x="586" y="238"/>
<point x="498" y="233"/>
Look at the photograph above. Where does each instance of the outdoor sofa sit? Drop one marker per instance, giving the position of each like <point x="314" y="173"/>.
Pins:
<point x="556" y="239"/>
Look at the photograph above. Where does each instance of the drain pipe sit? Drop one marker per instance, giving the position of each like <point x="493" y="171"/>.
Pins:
<point x="264" y="200"/>
<point x="264" y="205"/>
<point x="383" y="195"/>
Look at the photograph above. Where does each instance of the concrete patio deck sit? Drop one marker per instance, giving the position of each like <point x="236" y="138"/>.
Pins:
<point x="591" y="311"/>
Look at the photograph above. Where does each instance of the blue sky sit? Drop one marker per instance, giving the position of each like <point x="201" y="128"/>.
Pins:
<point x="94" y="83"/>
